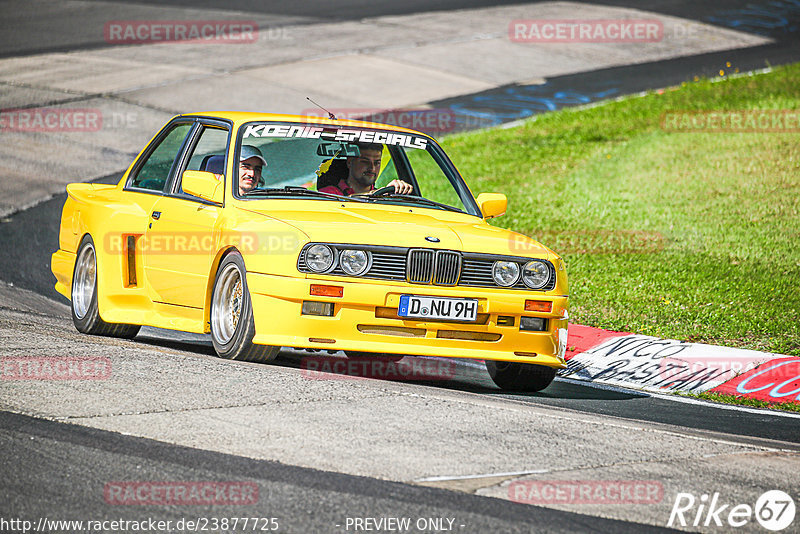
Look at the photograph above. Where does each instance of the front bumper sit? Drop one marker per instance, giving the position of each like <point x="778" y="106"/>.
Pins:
<point x="364" y="319"/>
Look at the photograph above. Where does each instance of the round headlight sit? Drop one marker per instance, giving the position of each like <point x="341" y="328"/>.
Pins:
<point x="535" y="274"/>
<point x="319" y="258"/>
<point x="354" y="262"/>
<point x="505" y="273"/>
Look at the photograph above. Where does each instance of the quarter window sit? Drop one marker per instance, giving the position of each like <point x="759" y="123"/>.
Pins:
<point x="208" y="153"/>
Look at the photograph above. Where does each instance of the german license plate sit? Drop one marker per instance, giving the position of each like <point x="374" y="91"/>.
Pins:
<point x="438" y="308"/>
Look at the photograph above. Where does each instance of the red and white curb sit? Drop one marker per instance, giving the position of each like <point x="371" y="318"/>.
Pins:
<point x="667" y="365"/>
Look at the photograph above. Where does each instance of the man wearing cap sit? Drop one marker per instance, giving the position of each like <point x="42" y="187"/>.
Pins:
<point x="251" y="163"/>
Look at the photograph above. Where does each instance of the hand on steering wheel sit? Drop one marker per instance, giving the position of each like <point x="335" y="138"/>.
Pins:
<point x="397" y="187"/>
<point x="388" y="190"/>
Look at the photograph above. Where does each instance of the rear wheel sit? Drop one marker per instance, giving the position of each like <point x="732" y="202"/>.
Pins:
<point x="83" y="297"/>
<point x="232" y="325"/>
<point x="513" y="376"/>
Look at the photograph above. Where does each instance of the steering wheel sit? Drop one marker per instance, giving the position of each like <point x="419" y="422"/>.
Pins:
<point x="389" y="189"/>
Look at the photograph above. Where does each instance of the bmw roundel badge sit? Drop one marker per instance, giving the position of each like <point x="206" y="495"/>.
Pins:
<point x="432" y="239"/>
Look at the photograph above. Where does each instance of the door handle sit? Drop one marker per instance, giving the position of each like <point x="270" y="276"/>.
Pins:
<point x="156" y="214"/>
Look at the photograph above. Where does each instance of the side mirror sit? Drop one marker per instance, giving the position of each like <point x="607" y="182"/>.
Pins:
<point x="203" y="184"/>
<point x="492" y="204"/>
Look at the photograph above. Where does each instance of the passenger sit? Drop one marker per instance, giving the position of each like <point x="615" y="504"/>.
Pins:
<point x="251" y="164"/>
<point x="363" y="171"/>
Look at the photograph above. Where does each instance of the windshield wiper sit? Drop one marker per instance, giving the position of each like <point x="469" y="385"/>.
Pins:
<point x="294" y="190"/>
<point x="412" y="198"/>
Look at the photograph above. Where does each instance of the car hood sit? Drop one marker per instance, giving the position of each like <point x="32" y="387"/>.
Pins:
<point x="403" y="226"/>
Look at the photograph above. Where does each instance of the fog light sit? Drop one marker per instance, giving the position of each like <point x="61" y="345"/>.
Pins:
<point x="317" y="308"/>
<point x="534" y="324"/>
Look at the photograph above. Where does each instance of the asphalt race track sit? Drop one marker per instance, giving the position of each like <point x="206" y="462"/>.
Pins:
<point x="323" y="453"/>
<point x="287" y="493"/>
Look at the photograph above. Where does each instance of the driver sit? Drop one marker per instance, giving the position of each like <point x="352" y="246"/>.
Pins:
<point x="363" y="171"/>
<point x="251" y="164"/>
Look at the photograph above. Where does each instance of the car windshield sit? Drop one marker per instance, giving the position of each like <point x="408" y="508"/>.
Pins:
<point x="353" y="164"/>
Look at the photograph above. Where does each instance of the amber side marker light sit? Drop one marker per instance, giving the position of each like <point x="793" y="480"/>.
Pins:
<point x="326" y="291"/>
<point x="544" y="306"/>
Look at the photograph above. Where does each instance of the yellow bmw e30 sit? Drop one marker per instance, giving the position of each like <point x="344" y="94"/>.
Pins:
<point x="275" y="230"/>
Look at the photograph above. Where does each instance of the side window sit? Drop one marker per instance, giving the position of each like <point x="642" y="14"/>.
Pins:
<point x="153" y="174"/>
<point x="432" y="182"/>
<point x="209" y="152"/>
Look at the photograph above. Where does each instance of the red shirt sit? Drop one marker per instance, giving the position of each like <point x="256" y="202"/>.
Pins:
<point x="341" y="189"/>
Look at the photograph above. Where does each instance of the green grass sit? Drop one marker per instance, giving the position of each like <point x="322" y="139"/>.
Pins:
<point x="692" y="236"/>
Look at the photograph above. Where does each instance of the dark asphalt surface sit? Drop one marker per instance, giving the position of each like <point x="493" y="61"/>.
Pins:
<point x="778" y="20"/>
<point x="302" y="500"/>
<point x="305" y="500"/>
<point x="617" y="402"/>
<point x="515" y="102"/>
<point x="56" y="28"/>
<point x="33" y="27"/>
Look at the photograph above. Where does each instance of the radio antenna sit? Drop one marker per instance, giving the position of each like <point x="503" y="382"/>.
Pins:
<point x="330" y="115"/>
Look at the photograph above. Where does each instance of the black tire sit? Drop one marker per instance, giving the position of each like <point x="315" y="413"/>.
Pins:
<point x="83" y="297"/>
<point x="232" y="325"/>
<point x="355" y="355"/>
<point x="512" y="376"/>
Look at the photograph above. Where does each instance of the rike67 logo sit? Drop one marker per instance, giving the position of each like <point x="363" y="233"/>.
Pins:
<point x="774" y="510"/>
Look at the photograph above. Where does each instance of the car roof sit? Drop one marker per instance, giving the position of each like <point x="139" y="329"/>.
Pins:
<point x="239" y="117"/>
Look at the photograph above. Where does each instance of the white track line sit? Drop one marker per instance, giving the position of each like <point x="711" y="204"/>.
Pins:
<point x="487" y="475"/>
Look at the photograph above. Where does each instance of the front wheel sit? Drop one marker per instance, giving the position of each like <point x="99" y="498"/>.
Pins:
<point x="232" y="325"/>
<point x="513" y="376"/>
<point x="83" y="297"/>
